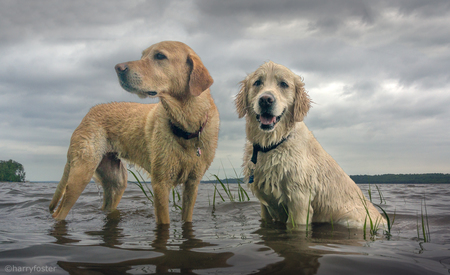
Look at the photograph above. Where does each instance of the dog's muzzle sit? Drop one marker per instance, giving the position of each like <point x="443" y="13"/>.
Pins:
<point x="129" y="81"/>
<point x="267" y="120"/>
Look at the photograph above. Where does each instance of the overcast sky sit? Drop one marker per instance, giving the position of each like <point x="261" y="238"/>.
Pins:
<point x="377" y="71"/>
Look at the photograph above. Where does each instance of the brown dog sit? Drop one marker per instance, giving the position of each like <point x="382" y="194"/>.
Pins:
<point x="174" y="140"/>
<point x="294" y="178"/>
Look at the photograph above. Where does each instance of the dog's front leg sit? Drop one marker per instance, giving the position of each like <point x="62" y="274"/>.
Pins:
<point x="161" y="192"/>
<point x="189" y="198"/>
<point x="300" y="211"/>
<point x="265" y="215"/>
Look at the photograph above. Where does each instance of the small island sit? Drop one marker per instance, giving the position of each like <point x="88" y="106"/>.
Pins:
<point x="11" y="171"/>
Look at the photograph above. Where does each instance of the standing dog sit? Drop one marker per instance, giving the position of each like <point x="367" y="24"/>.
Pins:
<point x="174" y="140"/>
<point x="290" y="173"/>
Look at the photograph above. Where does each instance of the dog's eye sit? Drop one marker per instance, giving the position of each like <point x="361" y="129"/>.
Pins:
<point x="257" y="83"/>
<point x="284" y="84"/>
<point x="160" y="56"/>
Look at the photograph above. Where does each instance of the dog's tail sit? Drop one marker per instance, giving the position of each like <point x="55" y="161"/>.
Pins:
<point x="60" y="190"/>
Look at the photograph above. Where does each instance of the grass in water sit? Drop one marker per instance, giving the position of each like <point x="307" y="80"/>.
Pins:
<point x="241" y="191"/>
<point x="214" y="197"/>
<point x="374" y="225"/>
<point x="292" y="218"/>
<point x="380" y="194"/>
<point x="307" y="214"/>
<point x="149" y="194"/>
<point x="424" y="222"/>
<point x="388" y="220"/>
<point x="242" y="195"/>
<point x="364" y="227"/>
<point x="176" y="194"/>
<point x="227" y="190"/>
<point x="141" y="186"/>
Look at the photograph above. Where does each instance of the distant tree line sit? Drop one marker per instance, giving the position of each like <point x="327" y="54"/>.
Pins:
<point x="386" y="178"/>
<point x="402" y="178"/>
<point x="11" y="171"/>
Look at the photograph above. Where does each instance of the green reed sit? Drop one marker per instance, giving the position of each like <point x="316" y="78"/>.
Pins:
<point x="214" y="197"/>
<point x="426" y="236"/>
<point x="292" y="221"/>
<point x="149" y="194"/>
<point x="374" y="224"/>
<point x="364" y="227"/>
<point x="241" y="196"/>
<point x="381" y="195"/>
<point x="389" y="222"/>
<point x="307" y="214"/>
<point x="291" y="218"/>
<point x="241" y="191"/>
<point x="225" y="189"/>
<point x="141" y="186"/>
<point x="176" y="194"/>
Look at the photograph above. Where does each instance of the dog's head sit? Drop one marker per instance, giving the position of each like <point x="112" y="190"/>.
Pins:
<point x="168" y="67"/>
<point x="272" y="94"/>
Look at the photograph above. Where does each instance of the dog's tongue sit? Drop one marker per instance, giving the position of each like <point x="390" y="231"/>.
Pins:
<point x="267" y="120"/>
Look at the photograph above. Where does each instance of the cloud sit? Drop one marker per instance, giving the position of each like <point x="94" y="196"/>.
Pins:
<point x="377" y="72"/>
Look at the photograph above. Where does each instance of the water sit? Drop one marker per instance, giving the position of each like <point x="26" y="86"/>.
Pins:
<point x="229" y="240"/>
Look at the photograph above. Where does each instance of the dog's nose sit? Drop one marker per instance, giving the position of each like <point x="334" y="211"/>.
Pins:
<point x="266" y="100"/>
<point x="121" y="68"/>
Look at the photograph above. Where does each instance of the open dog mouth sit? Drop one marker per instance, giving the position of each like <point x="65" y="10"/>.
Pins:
<point x="268" y="121"/>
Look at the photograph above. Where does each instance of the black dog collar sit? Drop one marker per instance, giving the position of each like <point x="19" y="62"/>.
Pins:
<point x="257" y="148"/>
<point x="186" y="135"/>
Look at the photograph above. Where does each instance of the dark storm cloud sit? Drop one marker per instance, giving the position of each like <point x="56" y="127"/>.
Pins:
<point x="378" y="71"/>
<point x="72" y="20"/>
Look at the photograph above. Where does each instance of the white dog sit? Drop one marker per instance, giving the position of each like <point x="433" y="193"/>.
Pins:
<point x="287" y="169"/>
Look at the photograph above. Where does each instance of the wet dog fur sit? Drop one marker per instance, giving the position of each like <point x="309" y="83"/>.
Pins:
<point x="299" y="175"/>
<point x="142" y="133"/>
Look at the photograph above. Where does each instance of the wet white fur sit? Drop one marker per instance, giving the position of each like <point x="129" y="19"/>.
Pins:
<point x="299" y="174"/>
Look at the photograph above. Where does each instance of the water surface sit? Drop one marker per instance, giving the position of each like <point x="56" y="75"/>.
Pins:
<point x="229" y="239"/>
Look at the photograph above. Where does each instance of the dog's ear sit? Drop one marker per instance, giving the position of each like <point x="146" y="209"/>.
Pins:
<point x="199" y="79"/>
<point x="241" y="99"/>
<point x="302" y="102"/>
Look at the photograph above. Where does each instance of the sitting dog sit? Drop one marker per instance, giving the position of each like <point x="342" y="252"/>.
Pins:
<point x="287" y="169"/>
<point x="174" y="140"/>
